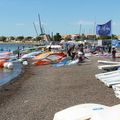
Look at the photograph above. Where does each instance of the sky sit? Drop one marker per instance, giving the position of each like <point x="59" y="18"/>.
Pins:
<point x="62" y="16"/>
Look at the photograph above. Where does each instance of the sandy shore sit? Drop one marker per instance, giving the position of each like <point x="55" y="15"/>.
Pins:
<point x="42" y="91"/>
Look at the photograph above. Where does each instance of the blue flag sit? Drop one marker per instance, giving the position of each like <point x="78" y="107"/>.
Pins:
<point x="104" y="29"/>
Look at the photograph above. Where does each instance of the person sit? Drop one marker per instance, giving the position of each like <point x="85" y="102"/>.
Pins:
<point x="69" y="50"/>
<point x="81" y="48"/>
<point x="49" y="48"/>
<point x="18" y="52"/>
<point x="113" y="53"/>
<point x="109" y="49"/>
<point x="80" y="57"/>
<point x="73" y="52"/>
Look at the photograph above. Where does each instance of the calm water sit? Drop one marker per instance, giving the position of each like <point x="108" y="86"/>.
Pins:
<point x="5" y="74"/>
<point x="12" y="47"/>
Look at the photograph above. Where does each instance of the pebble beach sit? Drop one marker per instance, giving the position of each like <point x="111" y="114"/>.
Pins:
<point x="41" y="91"/>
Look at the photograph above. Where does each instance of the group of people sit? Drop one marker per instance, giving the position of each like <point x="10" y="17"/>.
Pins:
<point x="105" y="49"/>
<point x="76" y="52"/>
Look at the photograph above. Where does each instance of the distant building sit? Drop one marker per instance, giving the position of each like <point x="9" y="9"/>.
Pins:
<point x="91" y="36"/>
<point x="71" y="37"/>
<point x="75" y="36"/>
<point x="118" y="37"/>
<point x="66" y="36"/>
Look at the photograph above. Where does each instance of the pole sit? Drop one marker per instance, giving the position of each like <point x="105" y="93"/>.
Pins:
<point x="35" y="28"/>
<point x="40" y="24"/>
<point x="94" y="32"/>
<point x="111" y="31"/>
<point x="80" y="31"/>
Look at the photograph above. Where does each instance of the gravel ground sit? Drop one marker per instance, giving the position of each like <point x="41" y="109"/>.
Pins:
<point x="43" y="90"/>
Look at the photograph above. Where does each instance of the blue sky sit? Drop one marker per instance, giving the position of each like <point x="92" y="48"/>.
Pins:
<point x="63" y="16"/>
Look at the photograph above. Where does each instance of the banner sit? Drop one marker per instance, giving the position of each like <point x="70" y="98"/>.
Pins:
<point x="116" y="43"/>
<point x="104" y="29"/>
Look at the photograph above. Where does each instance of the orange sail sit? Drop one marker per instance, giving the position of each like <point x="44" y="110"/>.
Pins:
<point x="52" y="58"/>
<point x="2" y="61"/>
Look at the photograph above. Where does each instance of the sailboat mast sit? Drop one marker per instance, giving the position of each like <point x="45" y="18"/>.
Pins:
<point x="35" y="28"/>
<point x="40" y="24"/>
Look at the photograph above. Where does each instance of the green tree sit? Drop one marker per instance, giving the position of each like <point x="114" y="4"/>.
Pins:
<point x="12" y="38"/>
<point x="57" y="37"/>
<point x="20" y="38"/>
<point x="83" y="37"/>
<point x="3" y="38"/>
<point x="107" y="37"/>
<point x="38" y="38"/>
<point x="28" y="38"/>
<point x="114" y="36"/>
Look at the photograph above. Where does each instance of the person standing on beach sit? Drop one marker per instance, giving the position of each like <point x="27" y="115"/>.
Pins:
<point x="18" y="52"/>
<point x="109" y="49"/>
<point x="49" y="49"/>
<point x="113" y="53"/>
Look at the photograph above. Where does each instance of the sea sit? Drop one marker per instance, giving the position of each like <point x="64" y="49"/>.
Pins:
<point x="7" y="75"/>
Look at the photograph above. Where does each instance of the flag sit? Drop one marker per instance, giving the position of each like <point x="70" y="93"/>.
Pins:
<point x="104" y="29"/>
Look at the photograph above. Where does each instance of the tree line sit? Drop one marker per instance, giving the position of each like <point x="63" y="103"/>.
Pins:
<point x="56" y="37"/>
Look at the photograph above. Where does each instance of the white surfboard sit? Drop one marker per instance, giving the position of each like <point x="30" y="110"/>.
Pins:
<point x="109" y="84"/>
<point x="108" y="76"/>
<point x="107" y="73"/>
<point x="79" y="112"/>
<point x="113" y="113"/>
<point x="116" y="87"/>
<point x="117" y="94"/>
<point x="108" y="66"/>
<point x="107" y="62"/>
<point x="109" y="79"/>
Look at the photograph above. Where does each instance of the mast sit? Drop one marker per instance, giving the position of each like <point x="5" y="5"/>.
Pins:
<point x="35" y="28"/>
<point x="80" y="26"/>
<point x="41" y="30"/>
<point x="94" y="32"/>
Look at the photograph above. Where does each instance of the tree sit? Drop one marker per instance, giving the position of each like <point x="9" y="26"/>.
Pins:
<point x="11" y="38"/>
<point x="107" y="37"/>
<point x="28" y="38"/>
<point x="83" y="37"/>
<point x="3" y="38"/>
<point x="104" y="37"/>
<point x="38" y="38"/>
<point x="114" y="36"/>
<point x="57" y="37"/>
<point x="20" y="38"/>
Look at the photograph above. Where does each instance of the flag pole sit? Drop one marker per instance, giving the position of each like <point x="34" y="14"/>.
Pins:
<point x="111" y="31"/>
<point x="80" y="26"/>
<point x="94" y="32"/>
